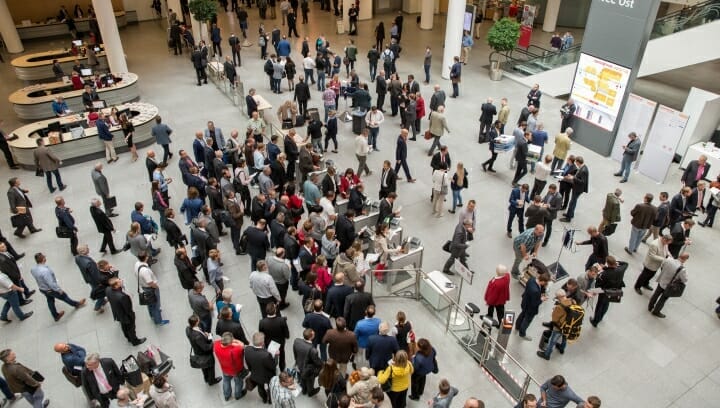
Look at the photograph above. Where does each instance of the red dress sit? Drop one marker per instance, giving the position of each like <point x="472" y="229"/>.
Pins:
<point x="498" y="291"/>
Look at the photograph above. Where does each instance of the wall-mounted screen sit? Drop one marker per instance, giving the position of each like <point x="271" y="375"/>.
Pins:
<point x="598" y="90"/>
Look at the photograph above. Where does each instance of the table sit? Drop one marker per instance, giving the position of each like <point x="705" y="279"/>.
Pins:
<point x="86" y="146"/>
<point x="713" y="158"/>
<point x="56" y="28"/>
<point x="35" y="101"/>
<point x="435" y="291"/>
<point x="38" y="66"/>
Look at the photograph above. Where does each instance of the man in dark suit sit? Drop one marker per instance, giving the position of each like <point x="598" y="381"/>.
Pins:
<point x="9" y="266"/>
<point x="302" y="95"/>
<point x="458" y="246"/>
<point x="6" y="150"/>
<point x="199" y="148"/>
<point x="679" y="206"/>
<point x="356" y="304"/>
<point x="696" y="201"/>
<point x="225" y="324"/>
<point x="20" y="206"/>
<point x="553" y="202"/>
<point x="121" y="306"/>
<point x="345" y="230"/>
<point x="532" y="298"/>
<point x="292" y="153"/>
<point x="695" y="171"/>
<point x="610" y="278"/>
<point x="185" y="164"/>
<point x="412" y="85"/>
<point x="101" y="187"/>
<point x="307" y="362"/>
<point x="388" y="180"/>
<point x="10" y="248"/>
<point x="204" y="242"/>
<point x="521" y="152"/>
<point x="401" y="151"/>
<point x="101" y="379"/>
<point x="261" y="365"/>
<point x="680" y="233"/>
<point x="442" y="156"/>
<point x="275" y="328"/>
<point x="386" y="208"/>
<point x="150" y="164"/>
<point x="580" y="182"/>
<point x="488" y="111"/>
<point x="381" y="348"/>
<point x="336" y="294"/>
<point x="257" y="242"/>
<point x="65" y="219"/>
<point x="91" y="275"/>
<point x="519" y="198"/>
<point x="381" y="90"/>
<point x="599" y="244"/>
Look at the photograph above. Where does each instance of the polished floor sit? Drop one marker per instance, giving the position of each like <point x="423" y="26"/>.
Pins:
<point x="631" y="359"/>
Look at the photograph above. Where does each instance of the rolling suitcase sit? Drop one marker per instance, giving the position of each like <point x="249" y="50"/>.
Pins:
<point x="544" y="339"/>
<point x="313" y="113"/>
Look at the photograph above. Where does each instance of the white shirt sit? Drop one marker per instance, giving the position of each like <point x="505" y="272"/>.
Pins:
<point x="542" y="171"/>
<point x="374" y="120"/>
<point x="309" y="63"/>
<point x="328" y="209"/>
<point x="361" y="146"/>
<point x="146" y="276"/>
<point x="439" y="178"/>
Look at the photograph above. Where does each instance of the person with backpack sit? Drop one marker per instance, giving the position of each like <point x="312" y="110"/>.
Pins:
<point x="566" y="323"/>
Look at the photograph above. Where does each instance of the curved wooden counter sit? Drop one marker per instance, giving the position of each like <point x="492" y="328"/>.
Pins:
<point x="34" y="67"/>
<point x="35" y="102"/>
<point x="54" y="29"/>
<point x="84" y="148"/>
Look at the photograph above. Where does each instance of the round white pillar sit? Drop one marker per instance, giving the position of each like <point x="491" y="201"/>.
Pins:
<point x="551" y="14"/>
<point x="111" y="36"/>
<point x="345" y="17"/>
<point x="427" y="12"/>
<point x="174" y="5"/>
<point x="8" y="30"/>
<point x="453" y="35"/>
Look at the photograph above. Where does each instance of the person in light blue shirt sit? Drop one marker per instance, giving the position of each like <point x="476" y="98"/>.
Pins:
<point x="60" y="107"/>
<point x="48" y="285"/>
<point x="556" y="393"/>
<point x="311" y="191"/>
<point x="539" y="138"/>
<point x="363" y="330"/>
<point x="467" y="43"/>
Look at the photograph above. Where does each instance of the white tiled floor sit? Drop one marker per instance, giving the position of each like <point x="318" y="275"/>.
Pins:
<point x="632" y="359"/>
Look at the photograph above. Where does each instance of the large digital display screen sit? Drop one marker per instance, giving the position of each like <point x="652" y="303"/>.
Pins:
<point x="598" y="90"/>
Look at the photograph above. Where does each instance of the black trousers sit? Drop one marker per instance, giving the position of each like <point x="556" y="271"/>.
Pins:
<point x="406" y="169"/>
<point x="290" y="169"/>
<point x="538" y="188"/>
<point x="398" y="399"/>
<point x="107" y="241"/>
<point x="548" y="230"/>
<point x="8" y="154"/>
<point x="644" y="279"/>
<point x="417" y="385"/>
<point x="128" y="330"/>
<point x="166" y="152"/>
<point x="302" y="108"/>
<point x="601" y="307"/>
<point x="489" y="162"/>
<point x="263" y="302"/>
<point x="657" y="300"/>
<point x="380" y="101"/>
<point x="74" y="243"/>
<point x="520" y="171"/>
<point x="201" y="75"/>
<point x="209" y="372"/>
<point x="499" y="309"/>
<point x="283" y="289"/>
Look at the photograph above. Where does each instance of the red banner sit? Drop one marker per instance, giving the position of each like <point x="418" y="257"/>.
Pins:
<point x="525" y="34"/>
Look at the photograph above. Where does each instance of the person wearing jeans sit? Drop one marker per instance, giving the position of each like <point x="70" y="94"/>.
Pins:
<point x="559" y="313"/>
<point x="532" y="298"/>
<point x="630" y="153"/>
<point x="148" y="283"/>
<point x="373" y="119"/>
<point x="48" y="162"/>
<point x="20" y="380"/>
<point x="229" y="353"/>
<point x="643" y="216"/>
<point x="9" y="291"/>
<point x="48" y="285"/>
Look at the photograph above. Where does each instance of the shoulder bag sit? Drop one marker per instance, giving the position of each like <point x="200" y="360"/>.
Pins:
<point x="63" y="232"/>
<point x="388" y="384"/>
<point x="308" y="306"/>
<point x="145" y="297"/>
<point x="444" y="186"/>
<point x="197" y="361"/>
<point x="676" y="287"/>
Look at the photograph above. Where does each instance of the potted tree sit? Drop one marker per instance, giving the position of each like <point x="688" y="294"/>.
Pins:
<point x="502" y="37"/>
<point x="203" y="11"/>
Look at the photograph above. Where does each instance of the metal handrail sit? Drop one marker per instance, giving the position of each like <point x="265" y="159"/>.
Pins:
<point x="511" y="62"/>
<point x="544" y="50"/>
<point x="683" y="12"/>
<point x="686" y="18"/>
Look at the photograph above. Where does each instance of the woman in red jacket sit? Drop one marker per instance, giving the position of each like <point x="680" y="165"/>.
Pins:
<point x="347" y="182"/>
<point x="419" y="110"/>
<point x="498" y="292"/>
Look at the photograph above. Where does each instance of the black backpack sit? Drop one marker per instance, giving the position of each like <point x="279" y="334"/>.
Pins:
<point x="268" y="68"/>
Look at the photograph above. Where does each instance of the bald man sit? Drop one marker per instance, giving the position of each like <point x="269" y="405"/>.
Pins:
<point x="473" y="402"/>
<point x="72" y="356"/>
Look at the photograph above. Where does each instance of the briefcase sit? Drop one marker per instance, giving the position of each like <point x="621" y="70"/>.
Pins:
<point x="73" y="379"/>
<point x="110" y="202"/>
<point x="18" y="220"/>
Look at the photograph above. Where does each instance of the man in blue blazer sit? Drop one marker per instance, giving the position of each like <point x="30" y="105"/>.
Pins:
<point x="401" y="155"/>
<point x="532" y="298"/>
<point x="519" y="196"/>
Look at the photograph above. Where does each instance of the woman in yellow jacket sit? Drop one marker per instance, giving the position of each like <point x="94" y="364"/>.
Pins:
<point x="400" y="370"/>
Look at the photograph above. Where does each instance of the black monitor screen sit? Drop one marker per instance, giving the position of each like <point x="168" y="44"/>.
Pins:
<point x="54" y="127"/>
<point x="126" y="112"/>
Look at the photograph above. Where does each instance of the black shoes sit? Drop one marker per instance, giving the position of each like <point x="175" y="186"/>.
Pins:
<point x="658" y="314"/>
<point x="139" y="341"/>
<point x="542" y="355"/>
<point x="314" y="391"/>
<point x="215" y="381"/>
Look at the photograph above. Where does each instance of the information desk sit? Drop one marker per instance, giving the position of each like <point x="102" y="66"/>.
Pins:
<point x="56" y="28"/>
<point x="34" y="67"/>
<point x="35" y="101"/>
<point x="712" y="154"/>
<point x="79" y="143"/>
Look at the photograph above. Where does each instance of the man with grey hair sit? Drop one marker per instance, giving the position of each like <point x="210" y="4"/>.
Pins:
<point x="458" y="245"/>
<point x="437" y="126"/>
<point x="91" y="275"/>
<point x="229" y="353"/>
<point x="437" y="99"/>
<point x="488" y="112"/>
<point x="559" y="314"/>
<point x="279" y="269"/>
<point x="101" y="379"/>
<point x="261" y="365"/>
<point x="381" y="348"/>
<point x="101" y="187"/>
<point x="263" y="286"/>
<point x="104" y="226"/>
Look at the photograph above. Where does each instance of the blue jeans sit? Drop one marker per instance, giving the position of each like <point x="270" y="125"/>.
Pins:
<point x="427" y="73"/>
<point x="555" y="337"/>
<point x="372" y="136"/>
<point x="520" y="214"/>
<point x="35" y="399"/>
<point x="435" y="143"/>
<point x="51" y="295"/>
<point x="626" y="166"/>
<point x="309" y="77"/>
<point x="227" y="386"/>
<point x="636" y="235"/>
<point x="457" y="198"/>
<point x="99" y="303"/>
<point x="276" y="84"/>
<point x="373" y="71"/>
<point x="328" y="108"/>
<point x="523" y="322"/>
<point x="6" y="389"/>
<point x="573" y="202"/>
<point x="12" y="300"/>
<point x="321" y="81"/>
<point x="154" y="309"/>
<point x="58" y="179"/>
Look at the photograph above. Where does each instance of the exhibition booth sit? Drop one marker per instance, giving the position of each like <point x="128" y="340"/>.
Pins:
<point x="73" y="139"/>
<point x="35" y="101"/>
<point x="29" y="30"/>
<point x="38" y="66"/>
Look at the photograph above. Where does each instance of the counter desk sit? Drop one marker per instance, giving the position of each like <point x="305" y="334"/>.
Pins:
<point x="73" y="141"/>
<point x="57" y="28"/>
<point x="38" y="66"/>
<point x="35" y="102"/>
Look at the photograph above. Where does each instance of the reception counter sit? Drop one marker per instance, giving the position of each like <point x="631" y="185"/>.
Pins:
<point x="35" y="102"/>
<point x="56" y="28"/>
<point x="76" y="142"/>
<point x="34" y="67"/>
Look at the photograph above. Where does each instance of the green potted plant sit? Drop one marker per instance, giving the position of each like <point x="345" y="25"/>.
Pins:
<point x="203" y="11"/>
<point x="502" y="37"/>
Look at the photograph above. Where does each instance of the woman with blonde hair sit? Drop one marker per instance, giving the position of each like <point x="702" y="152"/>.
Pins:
<point x="215" y="272"/>
<point x="400" y="369"/>
<point x="458" y="183"/>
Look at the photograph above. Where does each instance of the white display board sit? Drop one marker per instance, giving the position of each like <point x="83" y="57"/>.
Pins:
<point x="598" y="90"/>
<point x="637" y="117"/>
<point x="663" y="138"/>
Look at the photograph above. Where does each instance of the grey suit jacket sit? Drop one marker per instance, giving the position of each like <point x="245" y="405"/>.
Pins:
<point x="17" y="199"/>
<point x="655" y="255"/>
<point x="459" y="241"/>
<point x="100" y="182"/>
<point x="46" y="159"/>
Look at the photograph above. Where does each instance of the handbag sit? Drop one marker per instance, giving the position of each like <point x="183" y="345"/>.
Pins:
<point x="388" y="384"/>
<point x="308" y="307"/>
<point x="18" y="220"/>
<point x="446" y="246"/>
<point x="37" y="376"/>
<point x="64" y="232"/>
<point x="110" y="202"/>
<point x="676" y="287"/>
<point x="200" y="361"/>
<point x="614" y="295"/>
<point x="146" y="297"/>
<point x="428" y="135"/>
<point x="39" y="172"/>
<point x="444" y="186"/>
<point x="435" y="365"/>
<point x="73" y="379"/>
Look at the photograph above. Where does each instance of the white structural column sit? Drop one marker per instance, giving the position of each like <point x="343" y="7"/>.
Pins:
<point x="344" y="15"/>
<point x="366" y="10"/>
<point x="453" y="34"/>
<point x="551" y="14"/>
<point x="427" y="12"/>
<point x="175" y="6"/>
<point x="111" y="36"/>
<point x="8" y="30"/>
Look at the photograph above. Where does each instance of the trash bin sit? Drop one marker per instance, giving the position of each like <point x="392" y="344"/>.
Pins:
<point x="358" y="121"/>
